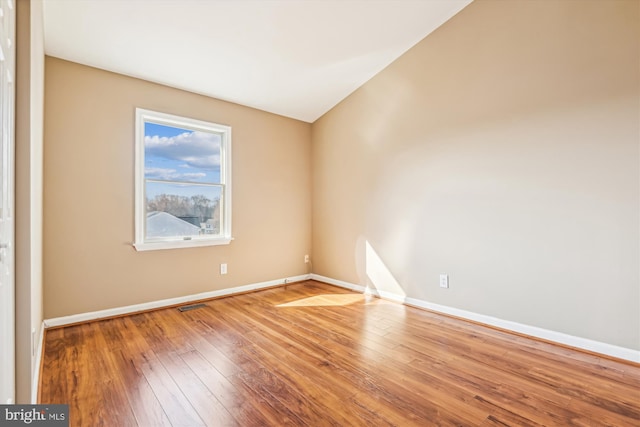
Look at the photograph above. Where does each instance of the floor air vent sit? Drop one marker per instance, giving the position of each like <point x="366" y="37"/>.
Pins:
<point x="190" y="307"/>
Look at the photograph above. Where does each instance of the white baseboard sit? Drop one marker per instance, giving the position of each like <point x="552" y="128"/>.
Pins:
<point x="94" y="315"/>
<point x="557" y="337"/>
<point x="346" y="285"/>
<point x="36" y="375"/>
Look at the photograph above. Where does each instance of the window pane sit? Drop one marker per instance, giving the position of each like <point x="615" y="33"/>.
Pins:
<point x="182" y="210"/>
<point x="183" y="182"/>
<point x="176" y="154"/>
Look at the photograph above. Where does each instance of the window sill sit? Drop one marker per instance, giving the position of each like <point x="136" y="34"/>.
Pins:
<point x="179" y="244"/>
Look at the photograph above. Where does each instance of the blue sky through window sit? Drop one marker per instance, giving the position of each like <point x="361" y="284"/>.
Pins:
<point x="183" y="155"/>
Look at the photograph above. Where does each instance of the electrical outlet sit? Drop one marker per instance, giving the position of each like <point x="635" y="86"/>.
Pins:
<point x="306" y="259"/>
<point x="223" y="268"/>
<point x="444" y="280"/>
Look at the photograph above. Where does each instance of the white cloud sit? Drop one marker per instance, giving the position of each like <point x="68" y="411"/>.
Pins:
<point x="195" y="149"/>
<point x="160" y="173"/>
<point x="172" y="174"/>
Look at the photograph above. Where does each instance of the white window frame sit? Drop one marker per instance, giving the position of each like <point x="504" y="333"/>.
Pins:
<point x="224" y="238"/>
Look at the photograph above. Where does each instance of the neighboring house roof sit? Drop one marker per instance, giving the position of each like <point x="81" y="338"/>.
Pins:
<point x="163" y="224"/>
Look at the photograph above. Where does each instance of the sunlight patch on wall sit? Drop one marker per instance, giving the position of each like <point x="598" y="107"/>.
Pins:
<point x="379" y="278"/>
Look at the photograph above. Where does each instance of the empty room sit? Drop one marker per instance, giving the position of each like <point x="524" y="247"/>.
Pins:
<point x="320" y="212"/>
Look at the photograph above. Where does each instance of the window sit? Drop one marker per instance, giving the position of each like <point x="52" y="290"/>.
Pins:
<point x="183" y="182"/>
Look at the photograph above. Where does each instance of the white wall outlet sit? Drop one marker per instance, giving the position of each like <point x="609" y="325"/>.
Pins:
<point x="306" y="259"/>
<point x="223" y="268"/>
<point x="444" y="280"/>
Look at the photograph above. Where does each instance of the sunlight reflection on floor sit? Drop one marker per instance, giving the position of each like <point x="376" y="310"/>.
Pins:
<point x="330" y="300"/>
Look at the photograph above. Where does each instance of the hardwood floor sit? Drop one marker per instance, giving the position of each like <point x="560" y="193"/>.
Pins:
<point x="316" y="355"/>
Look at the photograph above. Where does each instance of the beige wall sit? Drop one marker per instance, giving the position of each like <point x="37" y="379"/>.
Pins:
<point x="28" y="188"/>
<point x="502" y="150"/>
<point x="89" y="263"/>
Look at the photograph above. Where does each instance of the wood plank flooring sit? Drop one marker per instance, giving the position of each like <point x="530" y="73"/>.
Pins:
<point x="311" y="354"/>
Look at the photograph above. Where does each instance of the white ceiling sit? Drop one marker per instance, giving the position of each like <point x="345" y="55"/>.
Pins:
<point x="297" y="58"/>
